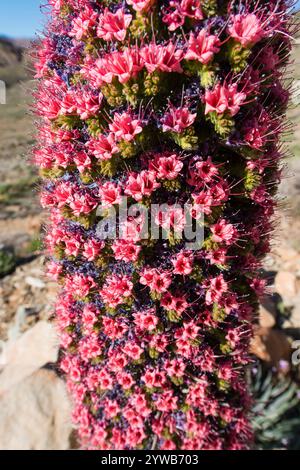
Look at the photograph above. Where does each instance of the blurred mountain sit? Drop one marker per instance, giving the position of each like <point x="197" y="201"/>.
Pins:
<point x="10" y="52"/>
<point x="14" y="63"/>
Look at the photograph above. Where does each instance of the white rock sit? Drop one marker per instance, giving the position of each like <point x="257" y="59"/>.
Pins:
<point x="35" y="282"/>
<point x="30" y="352"/>
<point x="35" y="414"/>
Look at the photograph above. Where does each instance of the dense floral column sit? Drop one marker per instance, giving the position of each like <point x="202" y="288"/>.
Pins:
<point x="175" y="102"/>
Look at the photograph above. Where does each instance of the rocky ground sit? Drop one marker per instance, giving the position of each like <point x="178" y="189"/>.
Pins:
<point x="30" y="389"/>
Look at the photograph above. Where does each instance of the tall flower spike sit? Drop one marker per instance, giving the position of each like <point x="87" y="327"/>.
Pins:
<point x="170" y="104"/>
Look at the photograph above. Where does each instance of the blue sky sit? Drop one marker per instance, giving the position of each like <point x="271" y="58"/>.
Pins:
<point x="21" y="18"/>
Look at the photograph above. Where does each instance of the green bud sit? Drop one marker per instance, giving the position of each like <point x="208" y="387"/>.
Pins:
<point x="127" y="149"/>
<point x="207" y="75"/>
<point x="140" y="25"/>
<point x="218" y="313"/>
<point x="130" y="92"/>
<point x="67" y="122"/>
<point x="153" y="353"/>
<point x="209" y="7"/>
<point x="238" y="56"/>
<point x="223" y="123"/>
<point x="252" y="180"/>
<point x="108" y="167"/>
<point x="172" y="185"/>
<point x="173" y="316"/>
<point x="187" y="140"/>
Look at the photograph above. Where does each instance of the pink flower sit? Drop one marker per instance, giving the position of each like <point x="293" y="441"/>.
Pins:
<point x="146" y="319"/>
<point x="224" y="98"/>
<point x="202" y="204"/>
<point x="134" y="436"/>
<point x="83" y="23"/>
<point x="168" y="444"/>
<point x="114" y="328"/>
<point x="133" y="350"/>
<point x="80" y="285"/>
<point x="154" y="378"/>
<point x="89" y="318"/>
<point x="73" y="245"/>
<point x="183" y="264"/>
<point x="105" y="380"/>
<point x="216" y="288"/>
<point x="126" y="251"/>
<point x="206" y="170"/>
<point x="159" y="342"/>
<point x="103" y="147"/>
<point x="82" y="204"/>
<point x="176" y="304"/>
<point x="217" y="256"/>
<point x="157" y="281"/>
<point x="171" y="218"/>
<point x="177" y="119"/>
<point x="113" y="25"/>
<point x="192" y="9"/>
<point x="110" y="194"/>
<point x="259" y="286"/>
<point x="90" y="347"/>
<point x="166" y="402"/>
<point x="125" y="127"/>
<point x="82" y="161"/>
<point x="223" y="232"/>
<point x="111" y="408"/>
<point x="164" y="58"/>
<point x="141" y="5"/>
<point x="175" y="367"/>
<point x="54" y="270"/>
<point x="175" y="15"/>
<point x="246" y="28"/>
<point x="117" y="360"/>
<point x="87" y="104"/>
<point x="123" y="65"/>
<point x="116" y="289"/>
<point x="132" y="228"/>
<point x="92" y="249"/>
<point x="141" y="184"/>
<point x="125" y="380"/>
<point x="96" y="71"/>
<point x="190" y="331"/>
<point x="202" y="47"/>
<point x="63" y="193"/>
<point x="49" y="106"/>
<point x="167" y="167"/>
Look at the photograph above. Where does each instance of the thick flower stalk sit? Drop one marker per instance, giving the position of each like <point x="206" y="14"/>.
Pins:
<point x="174" y="102"/>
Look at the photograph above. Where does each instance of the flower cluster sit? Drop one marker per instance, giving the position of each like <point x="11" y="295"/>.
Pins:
<point x="174" y="102"/>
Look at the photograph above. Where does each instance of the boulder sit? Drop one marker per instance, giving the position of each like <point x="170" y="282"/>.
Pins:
<point x="271" y="345"/>
<point x="267" y="313"/>
<point x="35" y="414"/>
<point x="286" y="285"/>
<point x="28" y="353"/>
